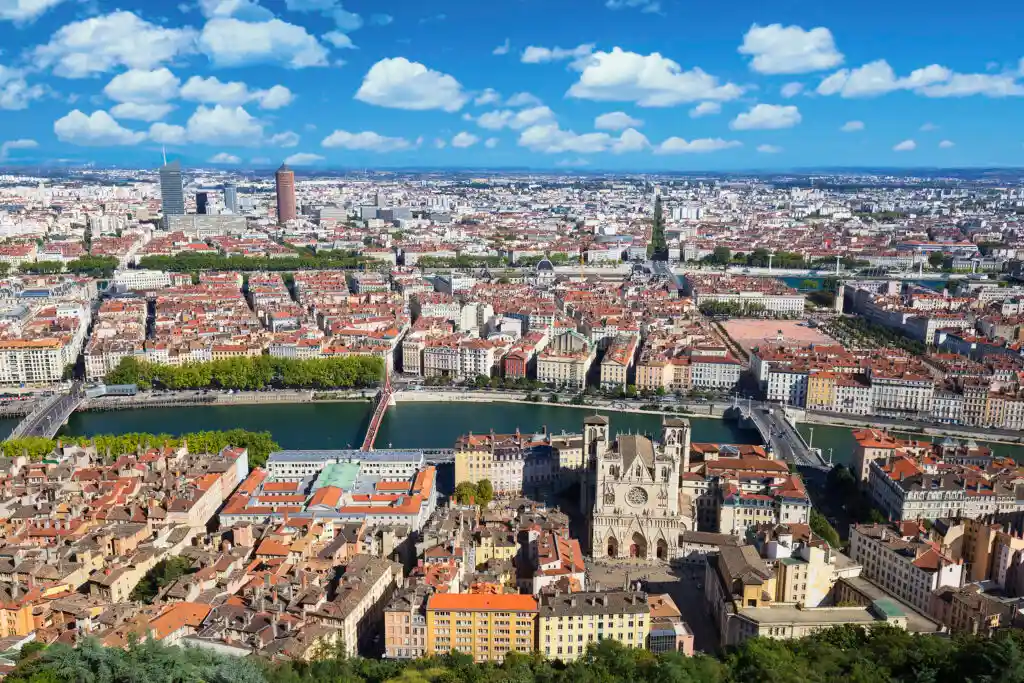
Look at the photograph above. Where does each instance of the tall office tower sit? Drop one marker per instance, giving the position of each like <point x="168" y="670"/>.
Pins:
<point x="285" y="179"/>
<point x="202" y="199"/>
<point x="172" y="197"/>
<point x="231" y="197"/>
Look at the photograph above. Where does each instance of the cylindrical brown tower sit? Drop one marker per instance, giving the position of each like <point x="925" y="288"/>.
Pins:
<point x="285" y="179"/>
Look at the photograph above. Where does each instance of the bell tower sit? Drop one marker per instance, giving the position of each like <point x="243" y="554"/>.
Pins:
<point x="675" y="439"/>
<point x="595" y="436"/>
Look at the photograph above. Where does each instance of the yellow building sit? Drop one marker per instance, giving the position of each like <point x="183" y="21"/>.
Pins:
<point x="484" y="626"/>
<point x="473" y="460"/>
<point x="653" y="374"/>
<point x="16" y="610"/>
<point x="821" y="391"/>
<point x="494" y="545"/>
<point x="566" y="624"/>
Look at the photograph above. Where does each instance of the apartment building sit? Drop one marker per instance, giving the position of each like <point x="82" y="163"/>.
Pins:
<point x="484" y="626"/>
<point x="568" y="623"/>
<point x="617" y="365"/>
<point x="566" y="360"/>
<point x="898" y="559"/>
<point x="405" y="623"/>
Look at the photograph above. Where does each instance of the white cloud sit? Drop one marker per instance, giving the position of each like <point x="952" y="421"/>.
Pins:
<point x="572" y="163"/>
<point x="366" y="140"/>
<point x="224" y="158"/>
<point x="220" y="125"/>
<point x="400" y="84"/>
<point x="167" y="134"/>
<point x="303" y="159"/>
<point x="6" y="147"/>
<point x="523" y="99"/>
<point x="947" y="144"/>
<point x="339" y="40"/>
<point x="143" y="86"/>
<point x="516" y="120"/>
<point x="905" y="146"/>
<point x="439" y="143"/>
<point x="791" y="89"/>
<point x="703" y="145"/>
<point x="464" y="139"/>
<point x="616" y="120"/>
<point x="97" y="129"/>
<point x="232" y="42"/>
<point x="928" y="126"/>
<point x="778" y="49"/>
<point x="15" y="92"/>
<point x="539" y="55"/>
<point x="645" y="6"/>
<point x="21" y="11"/>
<point x="852" y="126"/>
<point x="286" y="139"/>
<point x="705" y="109"/>
<point x="878" y="78"/>
<point x="100" y="44"/>
<point x="631" y="140"/>
<point x="488" y="96"/>
<point x="491" y="143"/>
<point x="649" y="80"/>
<point x="767" y="117"/>
<point x="381" y="19"/>
<point x="769" y="149"/>
<point x="239" y="9"/>
<point x="212" y="90"/>
<point x="503" y="49"/>
<point x="141" y="112"/>
<point x="332" y="9"/>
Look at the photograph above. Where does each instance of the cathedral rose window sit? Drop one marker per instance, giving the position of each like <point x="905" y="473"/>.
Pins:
<point x="636" y="496"/>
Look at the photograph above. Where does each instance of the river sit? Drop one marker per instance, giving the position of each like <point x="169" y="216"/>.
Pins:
<point x="421" y="425"/>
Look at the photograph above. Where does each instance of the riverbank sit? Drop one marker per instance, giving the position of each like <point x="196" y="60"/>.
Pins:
<point x="210" y="398"/>
<point x="910" y="427"/>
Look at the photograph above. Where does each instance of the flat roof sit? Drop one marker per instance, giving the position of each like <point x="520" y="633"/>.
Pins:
<point x="341" y="475"/>
<point x="790" y="614"/>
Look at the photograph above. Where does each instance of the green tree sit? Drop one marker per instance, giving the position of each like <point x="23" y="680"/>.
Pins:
<point x="721" y="255"/>
<point x="484" y="492"/>
<point x="821" y="527"/>
<point x="936" y="259"/>
<point x="465" y="491"/>
<point x="164" y="573"/>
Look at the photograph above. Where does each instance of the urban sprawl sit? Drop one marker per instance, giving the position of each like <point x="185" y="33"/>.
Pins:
<point x="891" y="302"/>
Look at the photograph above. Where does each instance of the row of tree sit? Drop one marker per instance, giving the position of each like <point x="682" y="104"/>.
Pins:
<point x="253" y="373"/>
<point x="259" y="444"/>
<point x="93" y="266"/>
<point x="853" y="654"/>
<point x="186" y="263"/>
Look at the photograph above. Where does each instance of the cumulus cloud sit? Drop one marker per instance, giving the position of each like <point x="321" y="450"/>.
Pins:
<point x="168" y="134"/>
<point x="98" y="129"/>
<point x="791" y="89"/>
<point x="339" y="40"/>
<point x="303" y="159"/>
<point x="15" y="92"/>
<point x="540" y="55"/>
<point x="488" y="96"/>
<point x="220" y="125"/>
<point x="878" y="78"/>
<point x="769" y="149"/>
<point x="616" y="120"/>
<point x="24" y="11"/>
<point x="645" y="6"/>
<point x="100" y="44"/>
<point x="248" y="10"/>
<point x="286" y="139"/>
<point x="140" y="111"/>
<point x="676" y="145"/>
<point x="503" y="49"/>
<point x="224" y="158"/>
<point x="905" y="146"/>
<point x="143" y="86"/>
<point x="332" y="9"/>
<point x="516" y="120"/>
<point x="212" y="90"/>
<point x="767" y="117"/>
<point x="631" y="140"/>
<point x="852" y="126"/>
<point x="523" y="99"/>
<point x="649" y="80"/>
<point x="705" y="109"/>
<point x="400" y="84"/>
<point x="491" y="143"/>
<point x="464" y="139"/>
<point x="946" y="144"/>
<point x="778" y="49"/>
<point x="366" y="141"/>
<point x="233" y="42"/>
<point x="549" y="138"/>
<point x="6" y="147"/>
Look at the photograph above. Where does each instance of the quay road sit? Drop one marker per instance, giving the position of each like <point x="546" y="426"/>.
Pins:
<point x="50" y="413"/>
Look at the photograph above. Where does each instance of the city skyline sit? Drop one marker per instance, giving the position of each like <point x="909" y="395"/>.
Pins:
<point x="622" y="85"/>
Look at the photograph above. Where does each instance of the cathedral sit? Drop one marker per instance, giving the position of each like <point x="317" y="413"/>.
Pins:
<point x="639" y="509"/>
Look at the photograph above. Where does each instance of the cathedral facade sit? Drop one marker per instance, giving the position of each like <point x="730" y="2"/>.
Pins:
<point x="639" y="510"/>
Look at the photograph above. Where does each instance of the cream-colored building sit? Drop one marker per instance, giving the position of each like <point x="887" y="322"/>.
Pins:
<point x="566" y="360"/>
<point x="358" y="605"/>
<point x="568" y="623"/>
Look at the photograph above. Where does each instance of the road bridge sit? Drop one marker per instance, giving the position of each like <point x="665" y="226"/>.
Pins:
<point x="385" y="398"/>
<point x="50" y="414"/>
<point x="776" y="431"/>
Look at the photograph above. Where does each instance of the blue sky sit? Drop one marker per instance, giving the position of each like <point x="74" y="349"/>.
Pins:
<point x="598" y="84"/>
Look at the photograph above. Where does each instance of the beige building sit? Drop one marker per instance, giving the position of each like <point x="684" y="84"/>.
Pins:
<point x="358" y="606"/>
<point x="566" y="360"/>
<point x="617" y="365"/>
<point x="568" y="623"/>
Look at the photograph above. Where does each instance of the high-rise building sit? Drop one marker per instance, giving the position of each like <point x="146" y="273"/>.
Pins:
<point x="231" y="197"/>
<point x="202" y="202"/>
<point x="172" y="197"/>
<point x="285" y="179"/>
